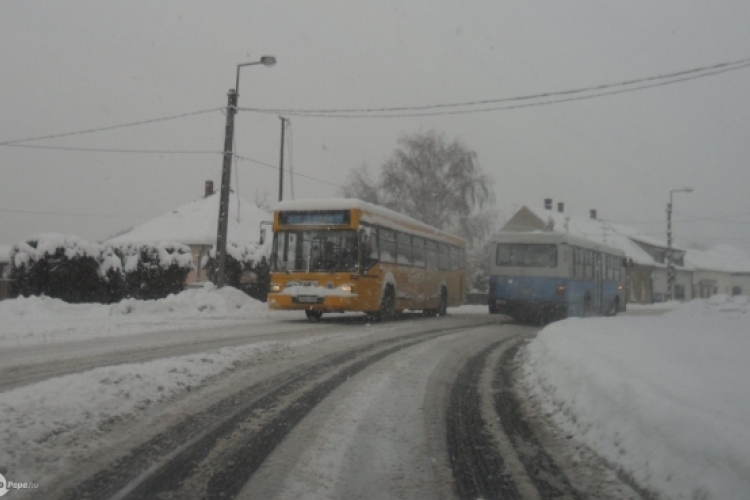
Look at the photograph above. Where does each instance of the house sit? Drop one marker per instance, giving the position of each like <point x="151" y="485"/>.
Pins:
<point x="722" y="269"/>
<point x="646" y="276"/>
<point x="195" y="225"/>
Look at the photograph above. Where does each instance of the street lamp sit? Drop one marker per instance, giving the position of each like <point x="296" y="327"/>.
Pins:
<point x="670" y="263"/>
<point x="226" y="171"/>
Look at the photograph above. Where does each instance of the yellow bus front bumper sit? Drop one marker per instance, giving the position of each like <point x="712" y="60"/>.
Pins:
<point x="329" y="303"/>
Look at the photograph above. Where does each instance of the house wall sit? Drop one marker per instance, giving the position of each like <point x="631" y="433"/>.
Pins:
<point x="708" y="283"/>
<point x="659" y="280"/>
<point x="741" y="280"/>
<point x="639" y="283"/>
<point x="199" y="274"/>
<point x="685" y="278"/>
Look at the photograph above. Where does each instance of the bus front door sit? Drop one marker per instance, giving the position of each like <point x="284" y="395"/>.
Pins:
<point x="598" y="282"/>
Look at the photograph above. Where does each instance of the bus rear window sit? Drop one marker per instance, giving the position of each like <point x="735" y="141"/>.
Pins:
<point x="526" y="255"/>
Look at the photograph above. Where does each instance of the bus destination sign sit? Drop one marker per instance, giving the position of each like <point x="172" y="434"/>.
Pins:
<point x="315" y="218"/>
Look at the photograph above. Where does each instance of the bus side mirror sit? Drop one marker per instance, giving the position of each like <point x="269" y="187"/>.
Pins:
<point x="263" y="231"/>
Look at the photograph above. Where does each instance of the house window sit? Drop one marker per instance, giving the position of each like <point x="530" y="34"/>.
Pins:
<point x="736" y="290"/>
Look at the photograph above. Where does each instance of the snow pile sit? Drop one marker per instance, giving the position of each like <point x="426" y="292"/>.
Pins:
<point x="206" y="301"/>
<point x="35" y="320"/>
<point x="665" y="397"/>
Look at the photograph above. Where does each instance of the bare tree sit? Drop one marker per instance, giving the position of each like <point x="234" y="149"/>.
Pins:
<point x="432" y="180"/>
<point x="359" y="184"/>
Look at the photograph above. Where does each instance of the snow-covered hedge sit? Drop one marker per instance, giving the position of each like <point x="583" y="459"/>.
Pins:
<point x="74" y="270"/>
<point x="154" y="271"/>
<point x="246" y="268"/>
<point x="59" y="266"/>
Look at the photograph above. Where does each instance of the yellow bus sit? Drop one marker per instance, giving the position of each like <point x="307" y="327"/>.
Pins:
<point x="339" y="255"/>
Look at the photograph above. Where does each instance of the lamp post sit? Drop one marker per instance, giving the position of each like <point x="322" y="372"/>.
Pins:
<point x="670" y="263"/>
<point x="226" y="171"/>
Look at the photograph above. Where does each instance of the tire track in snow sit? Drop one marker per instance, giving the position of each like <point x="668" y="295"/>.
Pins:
<point x="214" y="453"/>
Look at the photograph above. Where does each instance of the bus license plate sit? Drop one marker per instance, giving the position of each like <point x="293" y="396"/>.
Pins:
<point x="501" y="302"/>
<point x="307" y="299"/>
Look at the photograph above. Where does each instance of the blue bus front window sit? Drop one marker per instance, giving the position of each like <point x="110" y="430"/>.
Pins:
<point x="526" y="255"/>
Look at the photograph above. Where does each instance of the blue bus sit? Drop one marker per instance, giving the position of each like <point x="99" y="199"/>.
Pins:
<point x="537" y="277"/>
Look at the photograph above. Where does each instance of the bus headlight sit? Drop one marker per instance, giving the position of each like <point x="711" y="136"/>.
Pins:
<point x="275" y="287"/>
<point x="347" y="288"/>
<point x="560" y="290"/>
<point x="619" y="287"/>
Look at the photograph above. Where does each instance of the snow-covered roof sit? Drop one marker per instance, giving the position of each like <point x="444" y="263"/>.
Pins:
<point x="617" y="235"/>
<point x="5" y="254"/>
<point x="722" y="258"/>
<point x="196" y="223"/>
<point x="374" y="214"/>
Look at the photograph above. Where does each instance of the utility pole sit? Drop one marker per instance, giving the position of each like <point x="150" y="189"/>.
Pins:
<point x="226" y="176"/>
<point x="281" y="159"/>
<point x="670" y="259"/>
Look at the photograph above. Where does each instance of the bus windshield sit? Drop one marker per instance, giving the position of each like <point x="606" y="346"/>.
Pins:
<point x="526" y="255"/>
<point x="315" y="251"/>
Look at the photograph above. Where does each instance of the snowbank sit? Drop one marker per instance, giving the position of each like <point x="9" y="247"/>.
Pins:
<point x="36" y="320"/>
<point x="665" y="397"/>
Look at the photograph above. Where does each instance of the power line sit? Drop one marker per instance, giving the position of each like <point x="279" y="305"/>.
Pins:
<point x="714" y="218"/>
<point x="388" y="112"/>
<point x="111" y="127"/>
<point x="67" y="214"/>
<point x="106" y="150"/>
<point x="275" y="167"/>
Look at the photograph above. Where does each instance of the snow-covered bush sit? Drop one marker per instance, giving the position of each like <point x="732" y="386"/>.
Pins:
<point x="59" y="266"/>
<point x="71" y="269"/>
<point x="246" y="268"/>
<point x="153" y="271"/>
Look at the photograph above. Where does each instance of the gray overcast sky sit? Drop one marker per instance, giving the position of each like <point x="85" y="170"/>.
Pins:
<point x="76" y="65"/>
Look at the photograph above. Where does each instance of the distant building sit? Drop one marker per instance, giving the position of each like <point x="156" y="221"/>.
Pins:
<point x="195" y="225"/>
<point x="722" y="269"/>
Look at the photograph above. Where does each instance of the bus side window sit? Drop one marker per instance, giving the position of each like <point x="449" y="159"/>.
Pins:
<point x="405" y="253"/>
<point x="431" y="255"/>
<point x="387" y="242"/>
<point x="419" y="251"/>
<point x="455" y="259"/>
<point x="443" y="257"/>
<point x="369" y="242"/>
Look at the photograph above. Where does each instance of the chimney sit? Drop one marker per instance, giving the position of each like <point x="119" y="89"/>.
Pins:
<point x="592" y="212"/>
<point x="560" y="206"/>
<point x="548" y="203"/>
<point x="209" y="188"/>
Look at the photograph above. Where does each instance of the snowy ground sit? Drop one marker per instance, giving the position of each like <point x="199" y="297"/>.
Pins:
<point x="665" y="397"/>
<point x="41" y="320"/>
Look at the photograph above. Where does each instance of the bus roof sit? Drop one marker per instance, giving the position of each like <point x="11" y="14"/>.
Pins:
<point x="554" y="237"/>
<point x="373" y="214"/>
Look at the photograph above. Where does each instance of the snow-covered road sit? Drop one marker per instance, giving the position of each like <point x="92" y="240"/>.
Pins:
<point x="209" y="395"/>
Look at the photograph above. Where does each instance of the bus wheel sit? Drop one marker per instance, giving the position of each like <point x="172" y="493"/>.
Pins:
<point x="313" y="314"/>
<point x="443" y="307"/>
<point x="387" y="305"/>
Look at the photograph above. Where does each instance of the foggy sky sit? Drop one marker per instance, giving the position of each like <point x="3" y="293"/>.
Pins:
<point x="76" y="65"/>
